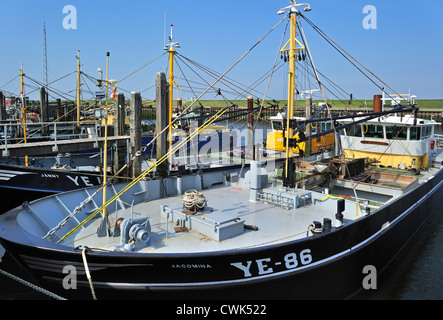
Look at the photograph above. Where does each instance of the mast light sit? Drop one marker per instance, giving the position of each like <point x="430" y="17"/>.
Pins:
<point x="171" y="44"/>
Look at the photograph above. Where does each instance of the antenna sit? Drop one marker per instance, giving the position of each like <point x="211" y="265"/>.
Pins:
<point x="171" y="44"/>
<point x="164" y="29"/>
<point x="45" y="58"/>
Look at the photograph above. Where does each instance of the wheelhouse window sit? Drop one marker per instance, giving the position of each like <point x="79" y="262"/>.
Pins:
<point x="314" y="127"/>
<point x="426" y="131"/>
<point x="277" y="125"/>
<point x="396" y="132"/>
<point x="414" y="133"/>
<point x="354" y="131"/>
<point x="326" y="126"/>
<point x="373" y="131"/>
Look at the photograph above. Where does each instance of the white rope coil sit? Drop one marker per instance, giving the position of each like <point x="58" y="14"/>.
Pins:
<point x="194" y="200"/>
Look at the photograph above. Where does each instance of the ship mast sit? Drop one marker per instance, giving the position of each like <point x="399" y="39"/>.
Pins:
<point x="170" y="47"/>
<point x="23" y="98"/>
<point x="292" y="53"/>
<point x="102" y="231"/>
<point x="45" y="58"/>
<point x="105" y="147"/>
<point x="78" y="87"/>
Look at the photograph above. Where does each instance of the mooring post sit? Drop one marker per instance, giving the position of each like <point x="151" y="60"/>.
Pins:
<point x="2" y="107"/>
<point x="58" y="108"/>
<point x="179" y="104"/>
<point x="119" y="114"/>
<point x="250" y="144"/>
<point x="308" y="127"/>
<point x="120" y="151"/>
<point x="162" y="121"/>
<point x="135" y="131"/>
<point x="44" y="111"/>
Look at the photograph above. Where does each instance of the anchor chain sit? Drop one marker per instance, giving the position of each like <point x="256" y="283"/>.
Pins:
<point x="31" y="285"/>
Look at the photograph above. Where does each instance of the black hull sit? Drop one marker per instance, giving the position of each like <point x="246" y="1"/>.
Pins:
<point x="20" y="183"/>
<point x="329" y="266"/>
<point x="17" y="197"/>
<point x="36" y="179"/>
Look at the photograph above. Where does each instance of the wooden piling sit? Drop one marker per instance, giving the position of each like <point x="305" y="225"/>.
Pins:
<point x="119" y="115"/>
<point x="250" y="117"/>
<point x="120" y="152"/>
<point x="58" y="108"/>
<point x="135" y="132"/>
<point x="2" y="107"/>
<point x="179" y="105"/>
<point x="308" y="129"/>
<point x="44" y="110"/>
<point x="162" y="121"/>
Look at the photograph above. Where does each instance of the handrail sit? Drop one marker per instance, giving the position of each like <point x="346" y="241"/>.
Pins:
<point x="7" y="131"/>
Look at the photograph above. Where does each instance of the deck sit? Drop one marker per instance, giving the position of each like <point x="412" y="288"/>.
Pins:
<point x="229" y="221"/>
<point x="275" y="223"/>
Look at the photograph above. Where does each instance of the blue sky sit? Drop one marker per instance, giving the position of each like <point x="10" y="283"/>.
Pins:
<point x="404" y="50"/>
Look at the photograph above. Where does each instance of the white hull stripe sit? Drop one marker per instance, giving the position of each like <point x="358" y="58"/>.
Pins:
<point x="14" y="172"/>
<point x="57" y="265"/>
<point x="6" y="175"/>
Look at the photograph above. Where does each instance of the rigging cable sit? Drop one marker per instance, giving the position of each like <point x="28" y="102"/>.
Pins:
<point x="173" y="150"/>
<point x="344" y="53"/>
<point x="217" y="91"/>
<point x="185" y="110"/>
<point x="231" y="83"/>
<point x="318" y="80"/>
<point x="10" y="81"/>
<point x="141" y="67"/>
<point x="270" y="79"/>
<point x="145" y="173"/>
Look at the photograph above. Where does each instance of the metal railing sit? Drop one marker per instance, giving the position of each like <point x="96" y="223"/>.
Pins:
<point x="12" y="132"/>
<point x="439" y="140"/>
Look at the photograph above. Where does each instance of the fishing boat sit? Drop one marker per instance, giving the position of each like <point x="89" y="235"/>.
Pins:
<point x="277" y="136"/>
<point x="31" y="177"/>
<point x="234" y="232"/>
<point x="48" y="171"/>
<point x="58" y="178"/>
<point x="383" y="140"/>
<point x="21" y="183"/>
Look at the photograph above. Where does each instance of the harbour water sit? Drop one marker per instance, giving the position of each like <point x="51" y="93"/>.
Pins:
<point x="416" y="273"/>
